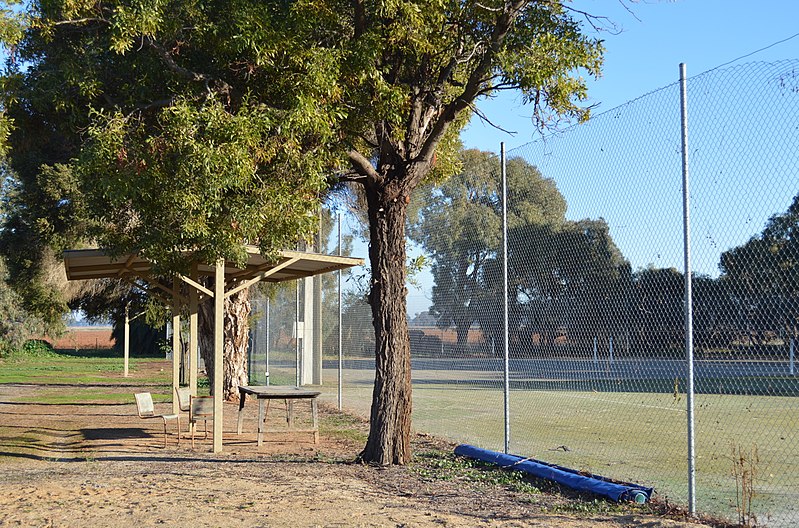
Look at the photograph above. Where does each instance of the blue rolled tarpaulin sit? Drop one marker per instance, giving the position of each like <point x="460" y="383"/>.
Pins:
<point x="572" y="478"/>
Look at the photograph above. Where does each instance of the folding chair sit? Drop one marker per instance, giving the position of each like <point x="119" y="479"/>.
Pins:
<point x="146" y="409"/>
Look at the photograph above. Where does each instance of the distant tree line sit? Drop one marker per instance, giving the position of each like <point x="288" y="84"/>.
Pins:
<point x="569" y="283"/>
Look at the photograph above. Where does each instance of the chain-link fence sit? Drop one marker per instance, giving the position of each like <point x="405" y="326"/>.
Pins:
<point x="596" y="333"/>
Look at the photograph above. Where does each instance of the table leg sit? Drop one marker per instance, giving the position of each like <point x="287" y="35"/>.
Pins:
<point x="242" y="396"/>
<point x="261" y="418"/>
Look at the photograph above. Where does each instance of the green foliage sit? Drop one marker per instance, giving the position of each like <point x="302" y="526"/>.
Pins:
<point x="206" y="180"/>
<point x="762" y="276"/>
<point x="12" y="23"/>
<point x="37" y="348"/>
<point x="439" y="465"/>
<point x="17" y="325"/>
<point x="151" y="126"/>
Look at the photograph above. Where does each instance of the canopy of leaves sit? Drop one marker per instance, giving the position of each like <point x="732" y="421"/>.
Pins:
<point x="177" y="130"/>
<point x="763" y="274"/>
<point x="414" y="69"/>
<point x="16" y="324"/>
<point x="205" y="181"/>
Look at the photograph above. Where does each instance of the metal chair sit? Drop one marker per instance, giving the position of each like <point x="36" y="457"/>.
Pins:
<point x="200" y="408"/>
<point x="183" y="397"/>
<point x="146" y="409"/>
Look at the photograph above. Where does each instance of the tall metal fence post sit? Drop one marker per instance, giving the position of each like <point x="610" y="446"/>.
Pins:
<point x="340" y="333"/>
<point x="791" y="354"/>
<point x="688" y="302"/>
<point x="506" y="354"/>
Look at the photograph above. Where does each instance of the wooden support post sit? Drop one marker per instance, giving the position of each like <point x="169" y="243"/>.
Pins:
<point x="175" y="345"/>
<point x="127" y="342"/>
<point x="193" y="339"/>
<point x="219" y="343"/>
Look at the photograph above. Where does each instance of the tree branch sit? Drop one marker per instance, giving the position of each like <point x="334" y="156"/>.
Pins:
<point x="160" y="103"/>
<point x="79" y="21"/>
<point x="174" y="67"/>
<point x="475" y="81"/>
<point x="362" y="166"/>
<point x="350" y="177"/>
<point x="360" y="17"/>
<point x="601" y="23"/>
<point x="479" y="113"/>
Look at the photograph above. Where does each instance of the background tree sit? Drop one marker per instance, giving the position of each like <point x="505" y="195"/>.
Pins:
<point x="459" y="226"/>
<point x="567" y="277"/>
<point x="658" y="309"/>
<point x="762" y="277"/>
<point x="16" y="324"/>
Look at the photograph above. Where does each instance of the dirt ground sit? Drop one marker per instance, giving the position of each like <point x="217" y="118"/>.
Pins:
<point x="97" y="465"/>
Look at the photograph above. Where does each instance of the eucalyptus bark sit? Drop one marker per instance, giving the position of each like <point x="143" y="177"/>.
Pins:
<point x="237" y="333"/>
<point x="389" y="433"/>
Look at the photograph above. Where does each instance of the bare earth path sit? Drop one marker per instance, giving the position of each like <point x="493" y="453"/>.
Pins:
<point x="98" y="465"/>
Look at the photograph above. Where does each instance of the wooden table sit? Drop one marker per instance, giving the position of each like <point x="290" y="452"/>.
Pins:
<point x="267" y="393"/>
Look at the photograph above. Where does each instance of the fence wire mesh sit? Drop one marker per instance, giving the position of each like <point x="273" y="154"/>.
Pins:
<point x="596" y="324"/>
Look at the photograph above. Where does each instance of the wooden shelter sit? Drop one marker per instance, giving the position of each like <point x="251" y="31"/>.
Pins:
<point x="228" y="279"/>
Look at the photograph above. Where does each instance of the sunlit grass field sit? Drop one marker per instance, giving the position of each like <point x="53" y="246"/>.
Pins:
<point x="68" y="372"/>
<point x="632" y="436"/>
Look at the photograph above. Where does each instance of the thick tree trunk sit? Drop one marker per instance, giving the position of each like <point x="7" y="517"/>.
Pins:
<point x="237" y="332"/>
<point x="462" y="333"/>
<point x="390" y="428"/>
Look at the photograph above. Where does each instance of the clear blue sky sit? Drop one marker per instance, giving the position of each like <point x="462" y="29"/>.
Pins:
<point x="654" y="39"/>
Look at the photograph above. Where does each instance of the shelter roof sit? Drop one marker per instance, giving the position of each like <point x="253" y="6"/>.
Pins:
<point x="97" y="264"/>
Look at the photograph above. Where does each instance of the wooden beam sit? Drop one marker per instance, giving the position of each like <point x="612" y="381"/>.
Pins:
<point x="261" y="276"/>
<point x="196" y="285"/>
<point x="137" y="316"/>
<point x="112" y="268"/>
<point x="141" y="283"/>
<point x="250" y="270"/>
<point x="193" y="343"/>
<point x="127" y="343"/>
<point x="148" y="280"/>
<point x="176" y="349"/>
<point x="128" y="262"/>
<point x="219" y="343"/>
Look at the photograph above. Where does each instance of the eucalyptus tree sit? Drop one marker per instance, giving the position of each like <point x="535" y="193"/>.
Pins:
<point x="419" y="67"/>
<point x="152" y="127"/>
<point x="459" y="225"/>
<point x="762" y="277"/>
<point x="237" y="108"/>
